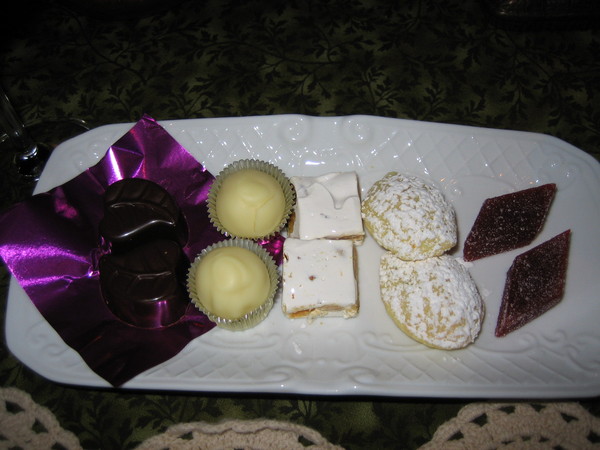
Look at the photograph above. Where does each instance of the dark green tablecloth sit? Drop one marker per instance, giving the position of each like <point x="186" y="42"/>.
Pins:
<point x="425" y="60"/>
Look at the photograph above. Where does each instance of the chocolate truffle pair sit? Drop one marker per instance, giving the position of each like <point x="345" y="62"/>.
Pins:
<point x="142" y="276"/>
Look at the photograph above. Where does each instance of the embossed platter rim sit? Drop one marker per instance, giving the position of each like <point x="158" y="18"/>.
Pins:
<point x="556" y="356"/>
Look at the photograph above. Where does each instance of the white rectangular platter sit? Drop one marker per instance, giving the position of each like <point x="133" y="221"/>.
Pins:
<point x="555" y="356"/>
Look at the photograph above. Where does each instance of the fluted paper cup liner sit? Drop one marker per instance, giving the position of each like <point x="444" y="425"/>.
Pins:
<point x="261" y="166"/>
<point x="251" y="318"/>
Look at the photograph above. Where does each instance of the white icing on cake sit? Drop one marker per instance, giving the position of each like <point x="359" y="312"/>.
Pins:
<point x="319" y="278"/>
<point x="409" y="217"/>
<point x="327" y="207"/>
<point x="435" y="301"/>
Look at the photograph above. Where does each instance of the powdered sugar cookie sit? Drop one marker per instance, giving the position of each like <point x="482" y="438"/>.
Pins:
<point x="409" y="217"/>
<point x="434" y="301"/>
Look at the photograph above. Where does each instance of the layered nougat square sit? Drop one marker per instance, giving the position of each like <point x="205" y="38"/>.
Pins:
<point x="327" y="207"/>
<point x="319" y="278"/>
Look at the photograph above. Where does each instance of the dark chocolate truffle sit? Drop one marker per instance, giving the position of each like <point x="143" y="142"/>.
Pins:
<point x="143" y="286"/>
<point x="137" y="210"/>
<point x="142" y="277"/>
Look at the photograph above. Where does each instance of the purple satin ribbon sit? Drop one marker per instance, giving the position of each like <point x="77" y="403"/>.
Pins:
<point x="50" y="244"/>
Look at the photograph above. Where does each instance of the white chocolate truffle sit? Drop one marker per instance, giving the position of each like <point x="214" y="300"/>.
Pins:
<point x="250" y="204"/>
<point x="231" y="282"/>
<point x="327" y="207"/>
<point x="434" y="301"/>
<point x="409" y="217"/>
<point x="319" y="278"/>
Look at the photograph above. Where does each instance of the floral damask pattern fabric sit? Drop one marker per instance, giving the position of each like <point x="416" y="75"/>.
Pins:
<point x="426" y="60"/>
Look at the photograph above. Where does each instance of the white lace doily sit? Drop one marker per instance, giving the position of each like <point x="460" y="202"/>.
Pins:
<point x="239" y="434"/>
<point x="518" y="426"/>
<point x="507" y="426"/>
<point x="25" y="424"/>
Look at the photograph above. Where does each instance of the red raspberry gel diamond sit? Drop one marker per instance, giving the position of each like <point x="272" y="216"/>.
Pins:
<point x="534" y="284"/>
<point x="509" y="221"/>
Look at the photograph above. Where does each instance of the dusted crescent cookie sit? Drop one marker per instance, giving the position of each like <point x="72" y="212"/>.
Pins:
<point x="409" y="217"/>
<point x="434" y="301"/>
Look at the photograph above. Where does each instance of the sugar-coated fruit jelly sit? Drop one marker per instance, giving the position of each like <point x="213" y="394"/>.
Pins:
<point x="508" y="222"/>
<point x="534" y="284"/>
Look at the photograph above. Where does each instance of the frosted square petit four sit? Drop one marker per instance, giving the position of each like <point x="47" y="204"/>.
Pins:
<point x="327" y="207"/>
<point x="319" y="278"/>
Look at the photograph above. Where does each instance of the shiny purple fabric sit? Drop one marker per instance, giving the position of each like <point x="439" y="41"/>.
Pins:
<point x="51" y="246"/>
